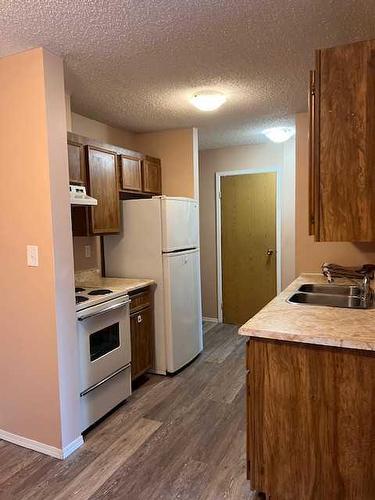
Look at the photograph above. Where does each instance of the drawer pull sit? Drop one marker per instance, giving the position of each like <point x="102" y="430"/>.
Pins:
<point x="139" y="318"/>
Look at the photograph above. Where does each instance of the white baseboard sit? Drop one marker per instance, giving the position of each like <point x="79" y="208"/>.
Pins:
<point x="73" y="446"/>
<point x="52" y="451"/>
<point x="211" y="320"/>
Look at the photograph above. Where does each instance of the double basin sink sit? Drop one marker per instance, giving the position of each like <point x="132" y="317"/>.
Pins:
<point x="349" y="296"/>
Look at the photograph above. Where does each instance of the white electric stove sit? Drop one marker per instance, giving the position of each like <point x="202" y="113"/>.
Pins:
<point x="104" y="351"/>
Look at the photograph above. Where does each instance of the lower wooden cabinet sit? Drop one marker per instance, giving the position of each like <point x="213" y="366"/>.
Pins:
<point x="310" y="421"/>
<point x="141" y="332"/>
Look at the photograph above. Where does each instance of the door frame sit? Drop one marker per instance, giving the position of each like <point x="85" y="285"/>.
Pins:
<point x="261" y="170"/>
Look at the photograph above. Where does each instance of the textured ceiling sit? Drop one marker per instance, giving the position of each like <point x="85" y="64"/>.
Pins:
<point x="135" y="63"/>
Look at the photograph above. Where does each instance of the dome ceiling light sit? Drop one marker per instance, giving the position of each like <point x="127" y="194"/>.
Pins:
<point x="279" y="134"/>
<point x="208" y="100"/>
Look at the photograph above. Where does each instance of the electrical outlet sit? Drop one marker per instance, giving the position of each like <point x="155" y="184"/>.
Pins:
<point x="87" y="251"/>
<point x="32" y="255"/>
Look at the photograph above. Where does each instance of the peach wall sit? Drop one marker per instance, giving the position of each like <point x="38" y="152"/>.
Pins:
<point x="68" y="361"/>
<point x="100" y="131"/>
<point x="34" y="210"/>
<point x="81" y="262"/>
<point x="177" y="150"/>
<point x="242" y="158"/>
<point x="68" y="113"/>
<point x="310" y="254"/>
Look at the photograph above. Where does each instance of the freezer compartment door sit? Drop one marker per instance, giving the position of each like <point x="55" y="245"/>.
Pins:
<point x="180" y="223"/>
<point x="183" y="325"/>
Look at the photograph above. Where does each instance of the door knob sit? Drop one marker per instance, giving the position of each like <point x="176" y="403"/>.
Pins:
<point x="270" y="251"/>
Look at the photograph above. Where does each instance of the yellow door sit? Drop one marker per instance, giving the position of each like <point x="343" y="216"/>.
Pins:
<point x="248" y="244"/>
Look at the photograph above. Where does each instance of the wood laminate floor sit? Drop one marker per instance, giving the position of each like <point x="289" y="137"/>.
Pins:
<point x="180" y="437"/>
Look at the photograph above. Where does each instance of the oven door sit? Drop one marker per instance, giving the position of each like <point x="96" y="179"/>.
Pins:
<point x="104" y="340"/>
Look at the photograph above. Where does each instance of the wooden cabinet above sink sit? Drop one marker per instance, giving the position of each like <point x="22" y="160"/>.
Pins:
<point x="342" y="143"/>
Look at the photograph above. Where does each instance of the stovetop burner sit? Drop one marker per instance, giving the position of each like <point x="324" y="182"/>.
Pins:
<point x="80" y="298"/>
<point x="79" y="289"/>
<point x="102" y="291"/>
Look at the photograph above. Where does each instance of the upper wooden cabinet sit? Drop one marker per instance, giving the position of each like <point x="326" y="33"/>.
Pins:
<point x="102" y="185"/>
<point x="130" y="173"/>
<point x="76" y="161"/>
<point x="342" y="144"/>
<point x="151" y="175"/>
<point x="109" y="173"/>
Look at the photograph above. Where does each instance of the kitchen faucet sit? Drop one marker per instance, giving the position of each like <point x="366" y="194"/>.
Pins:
<point x="366" y="274"/>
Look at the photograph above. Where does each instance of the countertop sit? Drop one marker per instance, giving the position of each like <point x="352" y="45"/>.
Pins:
<point x="320" y="325"/>
<point x="118" y="284"/>
<point x="92" y="279"/>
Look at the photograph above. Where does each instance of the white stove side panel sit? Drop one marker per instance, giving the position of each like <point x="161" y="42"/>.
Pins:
<point x="136" y="253"/>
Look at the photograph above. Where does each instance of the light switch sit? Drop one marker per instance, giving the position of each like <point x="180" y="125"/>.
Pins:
<point x="87" y="251"/>
<point x="32" y="255"/>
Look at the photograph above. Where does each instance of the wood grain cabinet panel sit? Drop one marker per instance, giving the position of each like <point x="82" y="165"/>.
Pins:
<point x="140" y="300"/>
<point x="151" y="173"/>
<point x="311" y="427"/>
<point x="342" y="158"/>
<point x="101" y="164"/>
<point x="80" y="221"/>
<point x="142" y="344"/>
<point x="130" y="173"/>
<point x="76" y="161"/>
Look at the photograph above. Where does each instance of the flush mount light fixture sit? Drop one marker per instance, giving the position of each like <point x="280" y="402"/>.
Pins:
<point x="279" y="134"/>
<point x="208" y="100"/>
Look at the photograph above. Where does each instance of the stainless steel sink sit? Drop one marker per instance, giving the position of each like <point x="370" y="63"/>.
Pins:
<point x="349" y="290"/>
<point x="322" y="299"/>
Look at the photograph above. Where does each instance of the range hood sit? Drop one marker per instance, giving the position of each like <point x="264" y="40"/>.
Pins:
<point x="78" y="196"/>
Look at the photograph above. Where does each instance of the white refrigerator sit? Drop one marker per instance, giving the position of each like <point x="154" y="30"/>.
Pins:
<point x="160" y="240"/>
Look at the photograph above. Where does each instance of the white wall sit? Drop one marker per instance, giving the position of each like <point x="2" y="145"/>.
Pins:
<point x="242" y="158"/>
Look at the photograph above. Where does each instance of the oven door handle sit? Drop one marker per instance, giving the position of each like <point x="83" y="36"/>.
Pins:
<point x="103" y="311"/>
<point x="95" y="386"/>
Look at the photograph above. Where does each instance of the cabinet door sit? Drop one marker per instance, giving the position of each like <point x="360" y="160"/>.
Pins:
<point x="142" y="343"/>
<point x="130" y="173"/>
<point x="105" y="217"/>
<point x="346" y="143"/>
<point x="76" y="161"/>
<point x="151" y="172"/>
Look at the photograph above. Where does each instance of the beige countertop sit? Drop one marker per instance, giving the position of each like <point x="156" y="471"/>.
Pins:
<point x="93" y="279"/>
<point x="329" y="326"/>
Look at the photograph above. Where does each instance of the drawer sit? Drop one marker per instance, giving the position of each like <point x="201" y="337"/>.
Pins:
<point x="102" y="399"/>
<point x="140" y="300"/>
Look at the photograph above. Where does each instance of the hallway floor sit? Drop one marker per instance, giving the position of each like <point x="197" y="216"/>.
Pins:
<point x="180" y="437"/>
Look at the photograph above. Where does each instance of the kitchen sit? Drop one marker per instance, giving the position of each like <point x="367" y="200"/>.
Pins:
<point x="197" y="416"/>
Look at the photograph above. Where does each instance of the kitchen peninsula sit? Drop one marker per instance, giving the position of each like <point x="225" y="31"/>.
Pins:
<point x="311" y="399"/>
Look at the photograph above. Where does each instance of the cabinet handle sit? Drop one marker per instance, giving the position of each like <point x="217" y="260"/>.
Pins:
<point x="139" y="318"/>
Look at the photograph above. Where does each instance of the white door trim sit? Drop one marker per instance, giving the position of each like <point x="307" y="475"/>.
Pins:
<point x="219" y="175"/>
